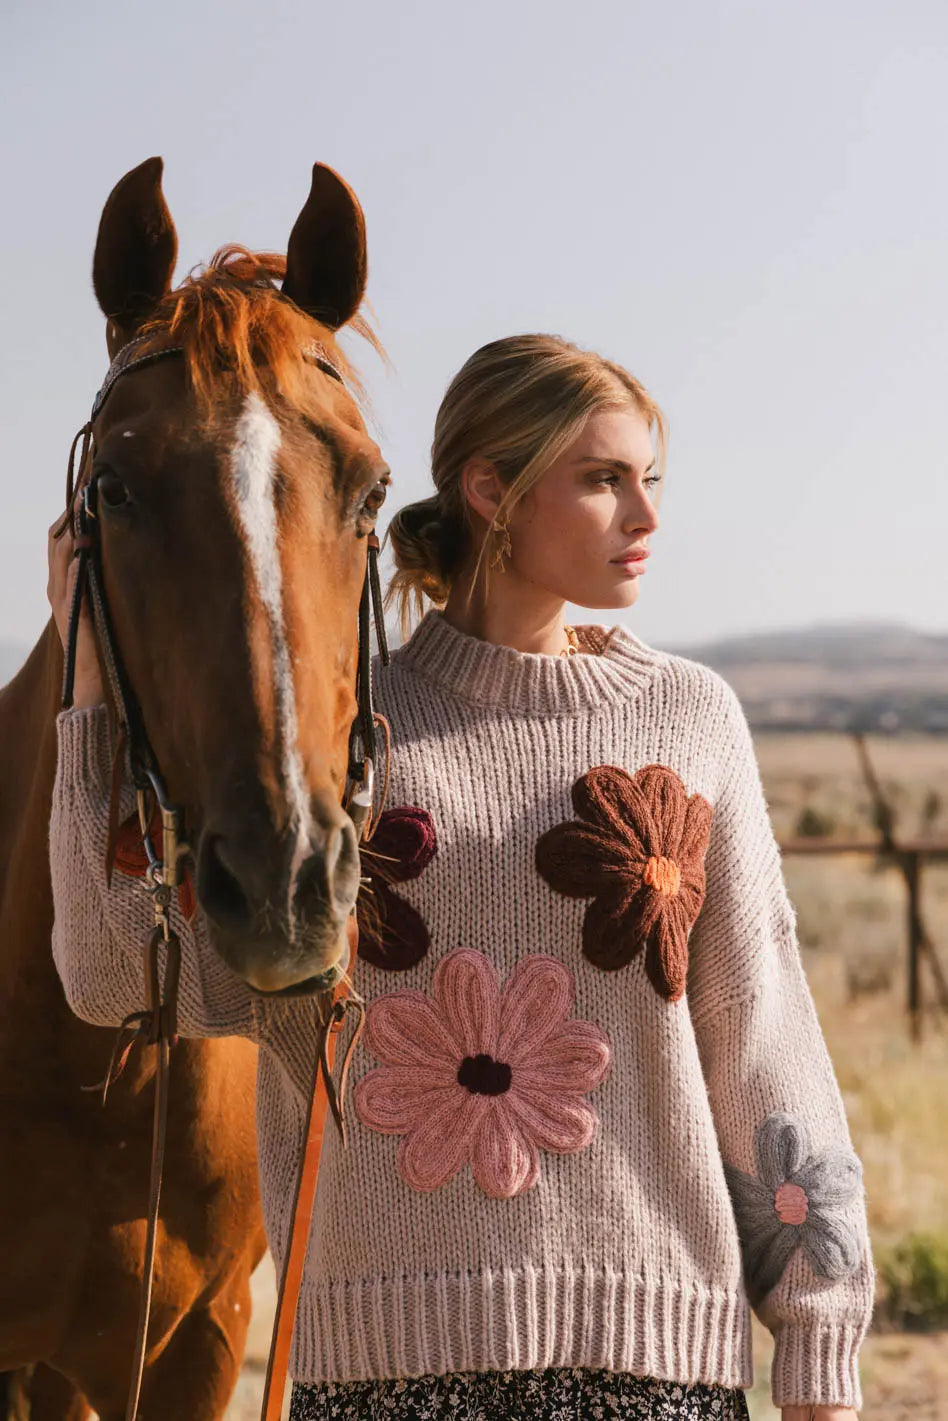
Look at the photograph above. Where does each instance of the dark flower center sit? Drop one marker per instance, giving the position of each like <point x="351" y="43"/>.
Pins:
<point x="482" y="1075"/>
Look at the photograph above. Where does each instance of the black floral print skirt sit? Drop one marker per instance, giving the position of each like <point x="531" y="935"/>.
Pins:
<point x="557" y="1394"/>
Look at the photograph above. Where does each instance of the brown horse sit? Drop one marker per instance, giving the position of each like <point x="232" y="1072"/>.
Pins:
<point x="236" y="485"/>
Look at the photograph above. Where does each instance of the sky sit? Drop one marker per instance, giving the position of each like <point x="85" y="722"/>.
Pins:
<point x="744" y="203"/>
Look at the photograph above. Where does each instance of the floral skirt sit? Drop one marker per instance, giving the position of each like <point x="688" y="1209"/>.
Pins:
<point x="557" y="1394"/>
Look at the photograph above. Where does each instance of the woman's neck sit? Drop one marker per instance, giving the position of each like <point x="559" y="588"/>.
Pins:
<point x="509" y="614"/>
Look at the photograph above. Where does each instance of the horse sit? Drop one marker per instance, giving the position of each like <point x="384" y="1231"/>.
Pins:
<point x="247" y="695"/>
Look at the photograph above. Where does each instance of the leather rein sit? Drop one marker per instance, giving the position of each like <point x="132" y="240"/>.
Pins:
<point x="157" y="1024"/>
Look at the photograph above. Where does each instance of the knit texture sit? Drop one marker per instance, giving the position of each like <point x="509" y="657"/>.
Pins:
<point x="594" y="1113"/>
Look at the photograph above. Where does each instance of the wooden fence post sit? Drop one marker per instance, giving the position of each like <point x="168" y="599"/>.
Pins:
<point x="915" y="935"/>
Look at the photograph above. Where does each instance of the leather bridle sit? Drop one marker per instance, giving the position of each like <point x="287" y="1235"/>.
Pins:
<point x="83" y="512"/>
<point x="156" y="1025"/>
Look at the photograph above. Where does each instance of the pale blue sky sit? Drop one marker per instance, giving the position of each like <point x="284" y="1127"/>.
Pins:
<point x="744" y="203"/>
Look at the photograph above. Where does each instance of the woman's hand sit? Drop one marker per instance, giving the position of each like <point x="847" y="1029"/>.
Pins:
<point x="87" y="690"/>
<point x="806" y="1412"/>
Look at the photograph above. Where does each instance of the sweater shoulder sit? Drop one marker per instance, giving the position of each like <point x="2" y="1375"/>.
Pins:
<point x="694" y="709"/>
<point x="697" y="689"/>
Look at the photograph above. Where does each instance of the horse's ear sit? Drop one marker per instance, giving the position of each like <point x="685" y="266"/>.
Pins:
<point x="326" y="264"/>
<point x="135" y="252"/>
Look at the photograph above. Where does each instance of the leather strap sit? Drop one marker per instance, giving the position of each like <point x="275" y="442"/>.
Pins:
<point x="159" y="1029"/>
<point x="305" y="1195"/>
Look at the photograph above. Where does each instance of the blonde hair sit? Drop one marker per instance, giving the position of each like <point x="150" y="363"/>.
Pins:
<point x="518" y="403"/>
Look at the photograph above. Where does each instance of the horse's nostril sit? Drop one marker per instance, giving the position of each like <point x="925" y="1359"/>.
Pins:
<point x="330" y="879"/>
<point x="250" y="883"/>
<point x="221" y="894"/>
<point x="346" y="866"/>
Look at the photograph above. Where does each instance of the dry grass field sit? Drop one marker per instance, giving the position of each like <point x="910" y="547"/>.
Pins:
<point x="852" y="929"/>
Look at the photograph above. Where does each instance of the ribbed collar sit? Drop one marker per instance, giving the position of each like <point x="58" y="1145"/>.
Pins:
<point x="489" y="674"/>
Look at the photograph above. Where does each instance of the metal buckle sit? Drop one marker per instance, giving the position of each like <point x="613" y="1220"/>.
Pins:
<point x="359" y="805"/>
<point x="87" y="497"/>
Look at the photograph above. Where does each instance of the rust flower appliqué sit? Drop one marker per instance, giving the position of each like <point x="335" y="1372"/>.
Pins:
<point x="637" y="851"/>
<point x="393" y="934"/>
<point x="482" y="1076"/>
<point x="799" y="1199"/>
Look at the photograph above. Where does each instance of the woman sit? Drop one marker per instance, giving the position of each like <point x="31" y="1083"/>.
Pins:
<point x="595" y="1116"/>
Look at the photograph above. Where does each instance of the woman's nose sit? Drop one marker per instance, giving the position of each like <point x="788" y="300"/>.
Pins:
<point x="643" y="516"/>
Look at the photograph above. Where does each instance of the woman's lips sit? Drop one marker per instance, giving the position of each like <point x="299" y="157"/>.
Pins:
<point x="632" y="563"/>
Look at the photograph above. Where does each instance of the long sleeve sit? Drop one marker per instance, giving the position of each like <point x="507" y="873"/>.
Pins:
<point x="99" y="929"/>
<point x="795" y="1181"/>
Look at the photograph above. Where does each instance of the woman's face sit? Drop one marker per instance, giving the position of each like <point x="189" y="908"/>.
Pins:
<point x="581" y="532"/>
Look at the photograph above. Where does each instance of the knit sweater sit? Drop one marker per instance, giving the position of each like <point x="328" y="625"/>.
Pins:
<point x="594" y="1119"/>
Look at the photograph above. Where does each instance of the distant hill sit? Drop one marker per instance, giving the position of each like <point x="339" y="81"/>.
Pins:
<point x="869" y="676"/>
<point x="855" y="644"/>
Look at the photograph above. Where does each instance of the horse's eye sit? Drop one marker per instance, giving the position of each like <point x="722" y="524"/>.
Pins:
<point x="376" y="496"/>
<point x="112" y="492"/>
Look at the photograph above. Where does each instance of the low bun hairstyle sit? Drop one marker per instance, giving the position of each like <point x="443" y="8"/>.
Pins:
<point x="426" y="555"/>
<point x="517" y="402"/>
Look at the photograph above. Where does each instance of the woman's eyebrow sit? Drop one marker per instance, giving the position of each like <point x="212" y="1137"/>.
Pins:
<point x="621" y="464"/>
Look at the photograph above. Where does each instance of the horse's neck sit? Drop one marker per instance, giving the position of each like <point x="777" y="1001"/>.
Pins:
<point x="31" y="995"/>
<point x="28" y="709"/>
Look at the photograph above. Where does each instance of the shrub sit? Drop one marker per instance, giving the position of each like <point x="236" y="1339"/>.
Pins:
<point x="815" y="824"/>
<point x="915" y="1275"/>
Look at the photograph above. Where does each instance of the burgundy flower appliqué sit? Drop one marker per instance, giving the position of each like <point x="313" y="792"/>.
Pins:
<point x="637" y="850"/>
<point x="481" y="1075"/>
<point x="393" y="934"/>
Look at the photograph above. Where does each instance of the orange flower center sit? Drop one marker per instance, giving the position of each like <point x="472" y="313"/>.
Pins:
<point x="791" y="1204"/>
<point x="663" y="874"/>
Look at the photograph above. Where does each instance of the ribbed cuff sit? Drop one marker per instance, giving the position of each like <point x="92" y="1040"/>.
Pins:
<point x="85" y="755"/>
<point x="818" y="1365"/>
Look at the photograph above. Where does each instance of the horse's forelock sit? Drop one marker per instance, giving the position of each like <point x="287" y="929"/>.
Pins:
<point x="240" y="334"/>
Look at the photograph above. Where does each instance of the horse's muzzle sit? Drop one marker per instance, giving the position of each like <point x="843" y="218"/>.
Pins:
<point x="277" y="907"/>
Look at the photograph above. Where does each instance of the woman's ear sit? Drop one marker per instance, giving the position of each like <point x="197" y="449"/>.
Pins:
<point x="482" y="488"/>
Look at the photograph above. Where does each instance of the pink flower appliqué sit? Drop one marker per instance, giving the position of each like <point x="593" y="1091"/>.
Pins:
<point x="482" y="1076"/>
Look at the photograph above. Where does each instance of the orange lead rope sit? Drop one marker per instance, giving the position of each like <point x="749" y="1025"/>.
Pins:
<point x="332" y="1016"/>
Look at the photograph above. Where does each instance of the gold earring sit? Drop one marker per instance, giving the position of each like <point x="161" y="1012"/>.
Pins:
<point x="505" y="549"/>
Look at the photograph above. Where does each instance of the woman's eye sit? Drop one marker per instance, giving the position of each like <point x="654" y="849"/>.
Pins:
<point x="112" y="492"/>
<point x="612" y="479"/>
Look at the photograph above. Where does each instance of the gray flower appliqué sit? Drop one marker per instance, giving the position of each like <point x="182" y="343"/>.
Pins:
<point x="799" y="1199"/>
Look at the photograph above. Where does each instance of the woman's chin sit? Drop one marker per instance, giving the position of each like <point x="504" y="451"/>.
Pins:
<point x="615" y="599"/>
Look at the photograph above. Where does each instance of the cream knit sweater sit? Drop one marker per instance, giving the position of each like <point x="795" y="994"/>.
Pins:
<point x="592" y="1124"/>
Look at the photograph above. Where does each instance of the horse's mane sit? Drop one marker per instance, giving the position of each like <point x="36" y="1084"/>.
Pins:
<point x="237" y="329"/>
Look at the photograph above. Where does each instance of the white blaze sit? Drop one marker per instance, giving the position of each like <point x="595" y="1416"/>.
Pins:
<point x="254" y="465"/>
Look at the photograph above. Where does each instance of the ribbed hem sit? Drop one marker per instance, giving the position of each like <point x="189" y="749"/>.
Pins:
<point x="84" y="748"/>
<point x="490" y="674"/>
<point x="817" y="1364"/>
<point x="521" y="1319"/>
